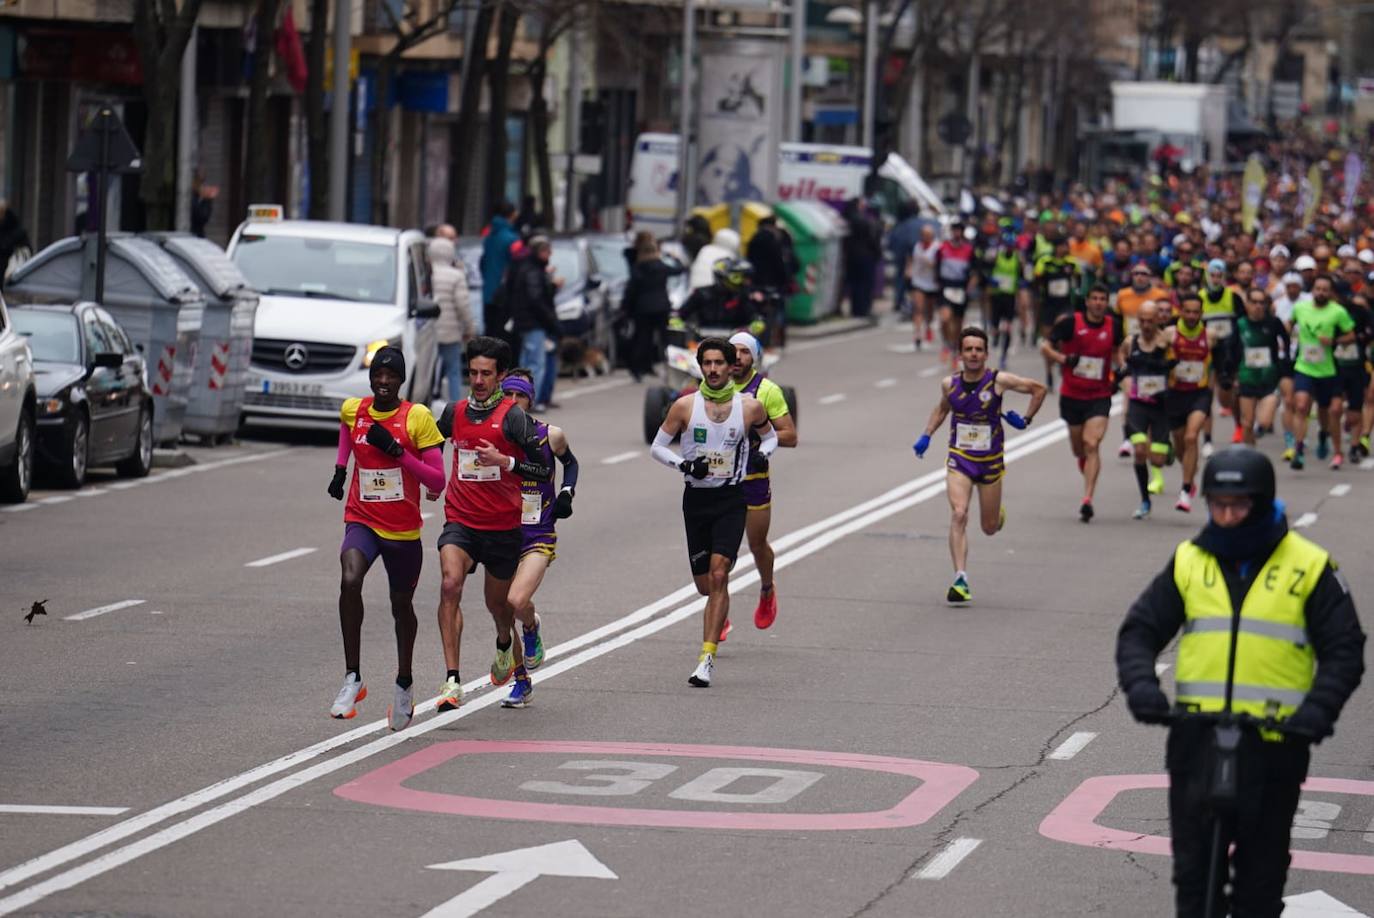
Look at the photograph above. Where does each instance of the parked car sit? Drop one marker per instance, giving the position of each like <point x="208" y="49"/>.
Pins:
<point x="94" y="405"/>
<point x="18" y="408"/>
<point x="581" y="302"/>
<point x="332" y="295"/>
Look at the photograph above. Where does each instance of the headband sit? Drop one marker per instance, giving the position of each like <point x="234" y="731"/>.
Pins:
<point x="515" y="385"/>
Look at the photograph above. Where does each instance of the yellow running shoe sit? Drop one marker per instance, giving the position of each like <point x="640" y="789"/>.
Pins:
<point x="1156" y="485"/>
<point x="502" y="666"/>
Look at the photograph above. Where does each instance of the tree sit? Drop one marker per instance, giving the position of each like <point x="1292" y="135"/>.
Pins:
<point x="258" y="162"/>
<point x="161" y="31"/>
<point x="498" y="79"/>
<point x="317" y="144"/>
<point x="474" y="71"/>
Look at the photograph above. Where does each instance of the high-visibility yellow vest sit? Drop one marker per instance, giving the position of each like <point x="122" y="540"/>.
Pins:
<point x="1275" y="661"/>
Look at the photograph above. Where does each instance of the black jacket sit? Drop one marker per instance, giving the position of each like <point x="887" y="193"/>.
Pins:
<point x="646" y="293"/>
<point x="1332" y="626"/>
<point x="529" y="297"/>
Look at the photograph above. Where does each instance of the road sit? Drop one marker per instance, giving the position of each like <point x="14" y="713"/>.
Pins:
<point x="874" y="753"/>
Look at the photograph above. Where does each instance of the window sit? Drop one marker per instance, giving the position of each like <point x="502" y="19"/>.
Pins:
<point x="327" y="269"/>
<point x="96" y="340"/>
<point x="118" y="340"/>
<point x="422" y="276"/>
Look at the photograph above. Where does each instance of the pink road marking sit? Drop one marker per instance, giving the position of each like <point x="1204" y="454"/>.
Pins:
<point x="1075" y="821"/>
<point x="384" y="786"/>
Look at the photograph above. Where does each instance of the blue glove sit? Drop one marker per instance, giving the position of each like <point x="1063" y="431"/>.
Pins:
<point x="1015" y="420"/>
<point x="921" y="445"/>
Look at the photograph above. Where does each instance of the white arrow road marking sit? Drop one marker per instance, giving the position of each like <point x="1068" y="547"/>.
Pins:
<point x="1307" y="519"/>
<point x="41" y="810"/>
<point x="621" y="457"/>
<point x="1072" y="746"/>
<point x="1318" y="904"/>
<point x="833" y="399"/>
<point x="284" y="556"/>
<point x="512" y="870"/>
<point x="101" y="610"/>
<point x="942" y="864"/>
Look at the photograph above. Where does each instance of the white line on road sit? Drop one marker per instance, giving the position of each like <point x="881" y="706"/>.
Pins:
<point x="284" y="556"/>
<point x="951" y="856"/>
<point x="1072" y="746"/>
<point x="1367" y="463"/>
<point x="1340" y="490"/>
<point x="20" y="508"/>
<point x="41" y="810"/>
<point x="101" y="610"/>
<point x="902" y="348"/>
<point x="56" y="499"/>
<point x="88" y="492"/>
<point x="622" y="457"/>
<point x="815" y="537"/>
<point x="1369" y="836"/>
<point x="886" y="383"/>
<point x="930" y="371"/>
<point x="1307" y="519"/>
<point x="576" y="391"/>
<point x="833" y="399"/>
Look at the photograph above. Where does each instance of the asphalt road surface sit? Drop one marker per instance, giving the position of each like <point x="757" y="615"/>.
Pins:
<point x="874" y="753"/>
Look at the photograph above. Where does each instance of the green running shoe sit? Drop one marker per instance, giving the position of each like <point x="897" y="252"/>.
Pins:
<point x="959" y="593"/>
<point x="502" y="666"/>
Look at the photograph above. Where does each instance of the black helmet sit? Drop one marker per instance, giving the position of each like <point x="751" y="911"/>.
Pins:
<point x="390" y="358"/>
<point x="1240" y="470"/>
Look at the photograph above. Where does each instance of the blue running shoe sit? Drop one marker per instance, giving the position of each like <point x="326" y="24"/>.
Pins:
<point x="533" y="644"/>
<point x="1288" y="439"/>
<point x="1323" y="445"/>
<point x="521" y="694"/>
<point x="959" y="593"/>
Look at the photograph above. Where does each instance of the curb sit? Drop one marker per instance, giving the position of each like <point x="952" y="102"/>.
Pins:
<point x="172" y="459"/>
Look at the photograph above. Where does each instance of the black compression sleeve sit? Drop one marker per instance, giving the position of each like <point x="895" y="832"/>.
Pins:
<point x="569" y="468"/>
<point x="445" y="421"/>
<point x="520" y="430"/>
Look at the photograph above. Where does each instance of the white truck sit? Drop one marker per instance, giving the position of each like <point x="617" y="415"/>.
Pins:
<point x="1190" y="116"/>
<point x="806" y="172"/>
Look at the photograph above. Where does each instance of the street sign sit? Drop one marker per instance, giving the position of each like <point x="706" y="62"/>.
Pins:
<point x="512" y="870"/>
<point x="954" y="129"/>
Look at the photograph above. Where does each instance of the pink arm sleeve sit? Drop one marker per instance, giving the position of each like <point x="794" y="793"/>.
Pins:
<point x="428" y="467"/>
<point x="345" y="446"/>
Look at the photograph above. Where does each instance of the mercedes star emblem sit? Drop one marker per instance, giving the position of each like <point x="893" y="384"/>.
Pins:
<point x="296" y="356"/>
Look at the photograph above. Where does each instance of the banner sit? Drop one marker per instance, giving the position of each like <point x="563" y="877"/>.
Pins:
<point x="1252" y="192"/>
<point x="1354" y="171"/>
<point x="740" y="127"/>
<point x="1312" y="189"/>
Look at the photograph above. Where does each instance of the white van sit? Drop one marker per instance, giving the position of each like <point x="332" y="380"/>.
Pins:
<point x="332" y="295"/>
<point x="806" y="172"/>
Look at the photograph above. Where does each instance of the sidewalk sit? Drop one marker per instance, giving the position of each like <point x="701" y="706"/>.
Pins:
<point x="841" y="324"/>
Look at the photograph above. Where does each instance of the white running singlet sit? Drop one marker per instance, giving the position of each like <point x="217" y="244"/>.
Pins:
<point x="725" y="445"/>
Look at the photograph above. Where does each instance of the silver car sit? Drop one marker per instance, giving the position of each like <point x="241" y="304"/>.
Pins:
<point x="18" y="405"/>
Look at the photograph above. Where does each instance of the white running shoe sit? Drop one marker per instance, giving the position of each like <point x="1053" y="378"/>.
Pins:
<point x="701" y="676"/>
<point x="1207" y="449"/>
<point x="450" y="696"/>
<point x="1185" y="501"/>
<point x="402" y="709"/>
<point x="1125" y="450"/>
<point x="345" y="705"/>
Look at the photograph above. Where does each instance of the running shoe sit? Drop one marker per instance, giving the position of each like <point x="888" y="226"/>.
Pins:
<point x="1185" y="501"/>
<point x="1156" y="484"/>
<point x="1207" y="448"/>
<point x="502" y="666"/>
<point x="1001" y="517"/>
<point x="959" y="593"/>
<point x="725" y="630"/>
<point x="1125" y="450"/>
<point x="1355" y="452"/>
<point x="402" y="709"/>
<point x="1237" y="435"/>
<point x="1287" y="440"/>
<point x="1224" y="411"/>
<point x="701" y="676"/>
<point x="345" y="705"/>
<point x="1085" y="512"/>
<point x="533" y="644"/>
<point x="1337" y="460"/>
<point x="1364" y="446"/>
<point x="450" y="696"/>
<point x="1296" y="462"/>
<point x="1288" y="454"/>
<point x="1142" y="512"/>
<point x="766" y="612"/>
<point x="1170" y="456"/>
<point x="521" y="694"/>
<point x="1323" y="445"/>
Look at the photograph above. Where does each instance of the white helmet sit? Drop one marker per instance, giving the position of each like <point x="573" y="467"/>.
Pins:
<point x="1305" y="263"/>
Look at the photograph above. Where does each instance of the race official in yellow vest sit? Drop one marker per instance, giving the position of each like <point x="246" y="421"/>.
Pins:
<point x="1269" y="607"/>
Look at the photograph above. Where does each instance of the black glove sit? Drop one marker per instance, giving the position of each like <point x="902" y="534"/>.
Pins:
<point x="336" y="487"/>
<point x="698" y="468"/>
<point x="1071" y="361"/>
<point x="1311" y="722"/>
<point x="1148" y="703"/>
<point x="381" y="438"/>
<point x="758" y="463"/>
<point x="562" y="505"/>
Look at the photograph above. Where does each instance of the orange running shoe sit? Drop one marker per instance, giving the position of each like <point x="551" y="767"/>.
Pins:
<point x="725" y="630"/>
<point x="766" y="612"/>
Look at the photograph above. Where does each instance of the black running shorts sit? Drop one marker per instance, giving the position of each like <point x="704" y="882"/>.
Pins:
<point x="497" y="549"/>
<point x="714" y="518"/>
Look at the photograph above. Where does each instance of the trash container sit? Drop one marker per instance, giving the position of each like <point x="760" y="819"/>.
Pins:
<point x="817" y="232"/>
<point x="718" y="215"/>
<point x="749" y="216"/>
<point x="159" y="307"/>
<point x="226" y="335"/>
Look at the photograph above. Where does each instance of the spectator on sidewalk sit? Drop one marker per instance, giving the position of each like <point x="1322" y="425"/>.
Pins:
<point x="529" y="297"/>
<point x="454" y="327"/>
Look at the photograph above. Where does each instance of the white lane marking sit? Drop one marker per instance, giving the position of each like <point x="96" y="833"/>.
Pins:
<point x="622" y="457"/>
<point x="1369" y="836"/>
<point x="594" y="388"/>
<point x="101" y="610"/>
<point x="56" y="499"/>
<point x="512" y="870"/>
<point x="284" y="556"/>
<point x="833" y="399"/>
<point x="1161" y="668"/>
<point x="1307" y="519"/>
<point x="886" y="383"/>
<point x="1340" y="490"/>
<point x="88" y="492"/>
<point x="942" y="864"/>
<point x="155" y="612"/>
<point x="826" y="531"/>
<point x="1367" y="463"/>
<point x="20" y="508"/>
<point x="126" y="485"/>
<point x="43" y="810"/>
<point x="1072" y="746"/>
<point x="930" y="371"/>
<point x="902" y="348"/>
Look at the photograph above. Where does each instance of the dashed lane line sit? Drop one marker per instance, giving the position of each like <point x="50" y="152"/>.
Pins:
<point x="284" y="556"/>
<point x="886" y="383"/>
<point x="1307" y="519"/>
<point x="930" y="371"/>
<point x="622" y="457"/>
<point x="1340" y="490"/>
<point x="833" y="399"/>
<point x="45" y="810"/>
<point x="1072" y="746"/>
<point x="951" y="856"/>
<point x="101" y="610"/>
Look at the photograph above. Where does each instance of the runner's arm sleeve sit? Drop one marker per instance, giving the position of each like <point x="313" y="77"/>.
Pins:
<point x="1334" y="629"/>
<point x="768" y="441"/>
<point x="520" y="430"/>
<point x="345" y="446"/>
<point x="445" y="422"/>
<point x="1061" y="331"/>
<point x="662" y="450"/>
<point x="569" y="468"/>
<point x="428" y="466"/>
<point x="1155" y="617"/>
<point x="1285" y="344"/>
